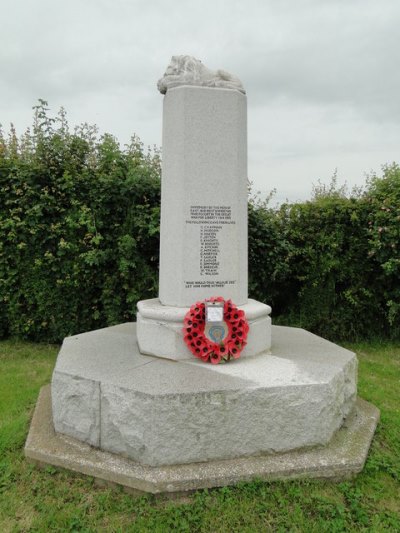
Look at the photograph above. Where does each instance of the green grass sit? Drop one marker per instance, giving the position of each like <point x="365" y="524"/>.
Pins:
<point x="35" y="500"/>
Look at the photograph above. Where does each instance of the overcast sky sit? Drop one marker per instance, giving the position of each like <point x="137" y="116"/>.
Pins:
<point x="322" y="76"/>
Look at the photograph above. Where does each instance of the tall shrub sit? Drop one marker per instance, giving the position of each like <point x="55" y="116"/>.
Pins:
<point x="383" y="204"/>
<point x="269" y="253"/>
<point x="330" y="289"/>
<point x="79" y="241"/>
<point x="79" y="223"/>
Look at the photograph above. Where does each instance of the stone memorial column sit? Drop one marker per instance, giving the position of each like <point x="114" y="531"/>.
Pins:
<point x="203" y="235"/>
<point x="204" y="196"/>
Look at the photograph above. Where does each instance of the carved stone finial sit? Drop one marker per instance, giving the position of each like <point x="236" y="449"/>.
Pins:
<point x="186" y="70"/>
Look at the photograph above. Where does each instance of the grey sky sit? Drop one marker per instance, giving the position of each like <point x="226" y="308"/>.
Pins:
<point x="322" y="76"/>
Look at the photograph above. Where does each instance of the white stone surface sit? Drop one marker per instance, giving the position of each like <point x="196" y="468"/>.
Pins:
<point x="342" y="458"/>
<point x="160" y="329"/>
<point x="76" y="402"/>
<point x="161" y="412"/>
<point x="187" y="70"/>
<point x="203" y="236"/>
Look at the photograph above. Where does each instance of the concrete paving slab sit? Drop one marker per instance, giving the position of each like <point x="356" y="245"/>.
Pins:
<point x="343" y="457"/>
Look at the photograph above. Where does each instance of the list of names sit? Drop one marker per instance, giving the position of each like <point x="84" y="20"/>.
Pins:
<point x="211" y="220"/>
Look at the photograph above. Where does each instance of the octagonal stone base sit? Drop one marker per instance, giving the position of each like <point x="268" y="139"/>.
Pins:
<point x="159" y="329"/>
<point x="342" y="458"/>
<point x="162" y="412"/>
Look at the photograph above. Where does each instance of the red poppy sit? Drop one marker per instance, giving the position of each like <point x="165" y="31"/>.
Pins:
<point x="235" y="352"/>
<point x="221" y="349"/>
<point x="237" y="315"/>
<point x="215" y="358"/>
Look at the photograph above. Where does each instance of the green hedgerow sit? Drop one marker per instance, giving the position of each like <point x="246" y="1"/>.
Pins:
<point x="79" y="224"/>
<point x="79" y="241"/>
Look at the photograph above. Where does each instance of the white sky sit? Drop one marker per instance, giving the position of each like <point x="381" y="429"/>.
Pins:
<point x="322" y="76"/>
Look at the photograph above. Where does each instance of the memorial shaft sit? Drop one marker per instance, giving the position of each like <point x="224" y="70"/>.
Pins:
<point x="203" y="249"/>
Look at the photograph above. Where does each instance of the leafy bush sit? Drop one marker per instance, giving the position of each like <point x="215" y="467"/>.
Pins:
<point x="383" y="204"/>
<point x="79" y="225"/>
<point x="344" y="261"/>
<point x="79" y="241"/>
<point x="330" y="290"/>
<point x="268" y="254"/>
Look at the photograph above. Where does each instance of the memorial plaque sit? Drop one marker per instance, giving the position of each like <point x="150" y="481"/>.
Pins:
<point x="216" y="330"/>
<point x="214" y="311"/>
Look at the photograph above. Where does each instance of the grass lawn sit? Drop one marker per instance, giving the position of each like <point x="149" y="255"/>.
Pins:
<point x="34" y="500"/>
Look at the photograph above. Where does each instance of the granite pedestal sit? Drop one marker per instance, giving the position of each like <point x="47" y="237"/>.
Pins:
<point x="162" y="412"/>
<point x="342" y="458"/>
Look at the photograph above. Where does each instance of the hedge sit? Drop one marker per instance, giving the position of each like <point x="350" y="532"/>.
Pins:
<point x="79" y="236"/>
<point x="79" y="225"/>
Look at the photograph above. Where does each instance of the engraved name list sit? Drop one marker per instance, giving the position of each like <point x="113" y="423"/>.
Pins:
<point x="213" y="223"/>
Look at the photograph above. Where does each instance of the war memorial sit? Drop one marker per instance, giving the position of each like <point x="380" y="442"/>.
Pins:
<point x="202" y="390"/>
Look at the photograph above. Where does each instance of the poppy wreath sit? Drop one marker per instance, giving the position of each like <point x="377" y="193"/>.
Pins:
<point x="204" y="348"/>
